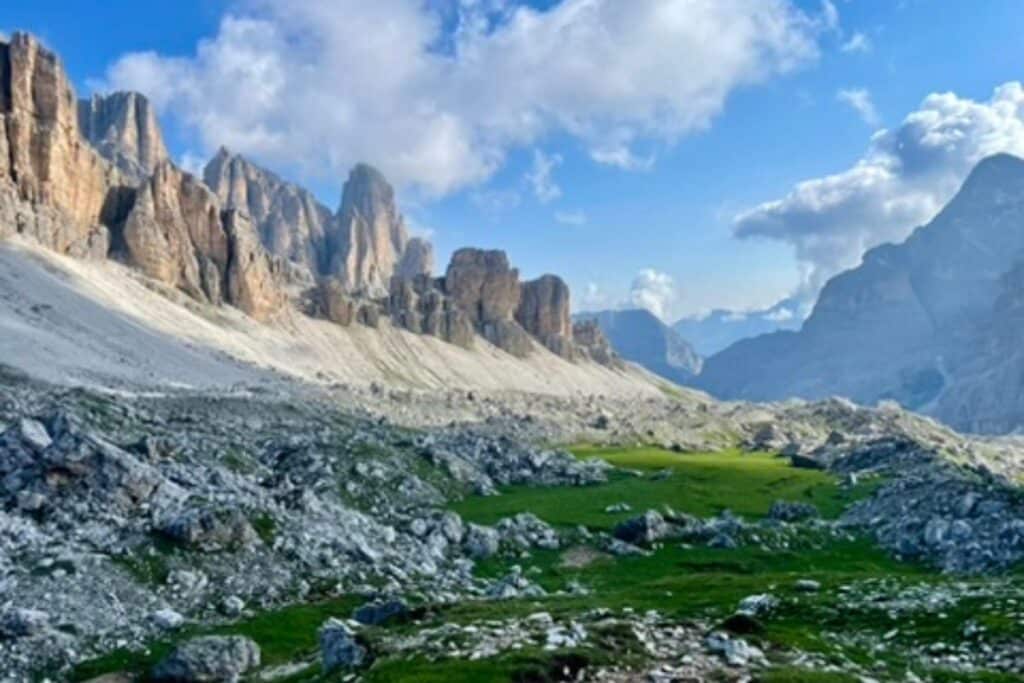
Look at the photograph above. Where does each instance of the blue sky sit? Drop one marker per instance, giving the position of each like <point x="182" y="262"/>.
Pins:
<point x="673" y="215"/>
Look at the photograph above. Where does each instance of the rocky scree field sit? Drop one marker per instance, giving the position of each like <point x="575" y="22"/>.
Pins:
<point x="252" y="535"/>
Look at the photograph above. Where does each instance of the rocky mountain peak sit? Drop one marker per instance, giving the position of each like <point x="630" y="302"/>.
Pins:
<point x="291" y="223"/>
<point x="371" y="235"/>
<point x="123" y="127"/>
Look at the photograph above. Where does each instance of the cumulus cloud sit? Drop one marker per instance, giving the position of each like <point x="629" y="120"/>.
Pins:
<point x="540" y="177"/>
<point x="437" y="93"/>
<point x="654" y="291"/>
<point x="858" y="42"/>
<point x="575" y="218"/>
<point x="906" y="175"/>
<point x="859" y="99"/>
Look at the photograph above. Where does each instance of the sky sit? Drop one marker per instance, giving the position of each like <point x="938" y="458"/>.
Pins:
<point x="682" y="155"/>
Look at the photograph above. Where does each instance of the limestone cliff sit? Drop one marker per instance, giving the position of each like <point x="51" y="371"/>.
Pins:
<point x="291" y="223"/>
<point x="123" y="128"/>
<point x="177" y="234"/>
<point x="55" y="187"/>
<point x="371" y="234"/>
<point x="544" y="312"/>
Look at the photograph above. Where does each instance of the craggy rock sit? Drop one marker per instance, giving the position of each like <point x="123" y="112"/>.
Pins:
<point x="339" y="647"/>
<point x="123" y="128"/>
<point x="211" y="659"/>
<point x="648" y="528"/>
<point x="592" y="342"/>
<point x="544" y="312"/>
<point x="53" y="186"/>
<point x="420" y="305"/>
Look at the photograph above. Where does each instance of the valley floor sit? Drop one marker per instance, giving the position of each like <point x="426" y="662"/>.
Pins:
<point x="828" y="605"/>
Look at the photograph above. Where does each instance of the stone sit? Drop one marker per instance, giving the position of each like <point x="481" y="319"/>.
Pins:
<point x="209" y="659"/>
<point x="807" y="585"/>
<point x="643" y="530"/>
<point x="339" y="647"/>
<point x="123" y="128"/>
<point x="790" y="511"/>
<point x="481" y="542"/>
<point x="233" y="606"/>
<point x="34" y="435"/>
<point x="758" y="605"/>
<point x="22" y="623"/>
<point x="377" y="613"/>
<point x="168" y="619"/>
<point x="210" y="529"/>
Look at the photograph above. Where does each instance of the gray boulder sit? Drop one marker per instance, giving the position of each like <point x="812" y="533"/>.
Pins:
<point x="339" y="648"/>
<point x="210" y="659"/>
<point x="643" y="530"/>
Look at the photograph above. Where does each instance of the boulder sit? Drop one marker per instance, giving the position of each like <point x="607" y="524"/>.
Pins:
<point x="210" y="659"/>
<point x="643" y="530"/>
<point x="339" y="647"/>
<point x="22" y="623"/>
<point x="377" y="613"/>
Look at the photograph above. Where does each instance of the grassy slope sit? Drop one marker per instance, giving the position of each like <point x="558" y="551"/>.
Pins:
<point x="701" y="484"/>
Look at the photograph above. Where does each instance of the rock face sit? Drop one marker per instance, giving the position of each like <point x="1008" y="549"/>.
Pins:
<point x="291" y="223"/>
<point x="123" y="128"/>
<point x="417" y="259"/>
<point x="544" y="312"/>
<point x="639" y="336"/>
<point x="176" y="233"/>
<point x="53" y="186"/>
<point x="486" y="287"/>
<point x="362" y="246"/>
<point x="590" y="340"/>
<point x="421" y="306"/>
<point x="371" y="235"/>
<point x="911" y="323"/>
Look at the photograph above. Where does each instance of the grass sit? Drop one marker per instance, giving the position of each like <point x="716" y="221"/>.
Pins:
<point x="702" y="484"/>
<point x="283" y="636"/>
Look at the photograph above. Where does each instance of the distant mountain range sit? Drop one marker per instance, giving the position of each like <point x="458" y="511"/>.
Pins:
<point x="720" y="329"/>
<point x="639" y="336"/>
<point x="934" y="323"/>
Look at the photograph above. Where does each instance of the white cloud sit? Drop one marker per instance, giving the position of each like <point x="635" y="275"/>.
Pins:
<point x="858" y="43"/>
<point x="574" y="218"/>
<point x="654" y="291"/>
<point x="904" y="178"/>
<point x="324" y="83"/>
<point x="859" y="99"/>
<point x="540" y="178"/>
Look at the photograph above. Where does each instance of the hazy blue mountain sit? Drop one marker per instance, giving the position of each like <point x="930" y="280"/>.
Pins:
<point x="914" y="322"/>
<point x="721" y="328"/>
<point x="639" y="336"/>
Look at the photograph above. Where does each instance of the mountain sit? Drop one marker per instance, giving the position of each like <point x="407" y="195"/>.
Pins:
<point x="638" y="335"/>
<point x="916" y="322"/>
<point x="92" y="180"/>
<point x="720" y="328"/>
